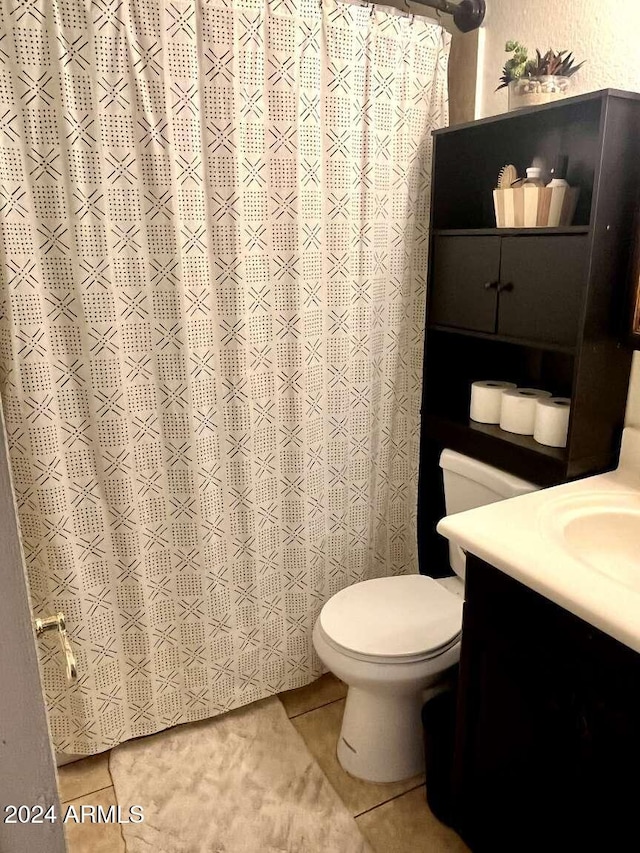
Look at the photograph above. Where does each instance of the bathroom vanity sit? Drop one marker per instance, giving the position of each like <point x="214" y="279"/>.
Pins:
<point x="548" y="734"/>
<point x="548" y="721"/>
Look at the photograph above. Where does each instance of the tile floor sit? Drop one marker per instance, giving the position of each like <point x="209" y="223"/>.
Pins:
<point x="89" y="782"/>
<point x="394" y="818"/>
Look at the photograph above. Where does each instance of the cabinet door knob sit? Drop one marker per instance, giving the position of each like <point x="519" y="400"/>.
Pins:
<point x="490" y="285"/>
<point x="507" y="286"/>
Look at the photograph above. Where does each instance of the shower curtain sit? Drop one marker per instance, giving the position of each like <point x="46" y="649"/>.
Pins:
<point x="213" y="251"/>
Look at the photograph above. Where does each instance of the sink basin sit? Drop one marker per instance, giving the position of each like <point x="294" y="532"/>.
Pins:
<point x="602" y="531"/>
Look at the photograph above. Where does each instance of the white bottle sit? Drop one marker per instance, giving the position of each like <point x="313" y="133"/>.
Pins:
<point x="560" y="192"/>
<point x="558" y="172"/>
<point x="534" y="177"/>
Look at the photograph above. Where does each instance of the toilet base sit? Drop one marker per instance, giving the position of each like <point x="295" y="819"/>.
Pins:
<point x="381" y="738"/>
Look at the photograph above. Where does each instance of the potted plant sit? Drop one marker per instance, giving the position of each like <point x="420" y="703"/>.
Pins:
<point x="538" y="80"/>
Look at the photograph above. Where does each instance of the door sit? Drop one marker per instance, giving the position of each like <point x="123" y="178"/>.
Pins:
<point x="542" y="287"/>
<point x="27" y="770"/>
<point x="464" y="282"/>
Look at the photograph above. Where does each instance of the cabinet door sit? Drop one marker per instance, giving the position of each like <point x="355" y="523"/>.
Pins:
<point x="516" y="778"/>
<point x="463" y="282"/>
<point x="542" y="287"/>
<point x="547" y="743"/>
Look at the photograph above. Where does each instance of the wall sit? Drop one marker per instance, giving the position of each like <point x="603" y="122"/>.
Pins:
<point x="463" y="76"/>
<point x="28" y="772"/>
<point x="604" y="32"/>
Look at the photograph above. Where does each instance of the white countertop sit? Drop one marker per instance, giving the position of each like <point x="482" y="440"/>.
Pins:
<point x="517" y="537"/>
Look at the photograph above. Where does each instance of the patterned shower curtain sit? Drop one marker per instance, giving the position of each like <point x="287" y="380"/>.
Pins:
<point x="213" y="249"/>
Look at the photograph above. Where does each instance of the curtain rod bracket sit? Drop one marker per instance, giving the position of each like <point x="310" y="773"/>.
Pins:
<point x="467" y="15"/>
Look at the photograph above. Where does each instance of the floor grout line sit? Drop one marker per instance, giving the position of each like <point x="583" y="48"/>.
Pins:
<point x="109" y="770"/>
<point x="87" y="794"/>
<point x="390" y="800"/>
<point x="115" y="797"/>
<point x="311" y="710"/>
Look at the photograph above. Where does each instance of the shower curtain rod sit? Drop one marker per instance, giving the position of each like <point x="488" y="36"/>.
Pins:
<point x="467" y="14"/>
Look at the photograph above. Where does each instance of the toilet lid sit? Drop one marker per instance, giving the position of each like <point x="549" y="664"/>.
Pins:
<point x="392" y="617"/>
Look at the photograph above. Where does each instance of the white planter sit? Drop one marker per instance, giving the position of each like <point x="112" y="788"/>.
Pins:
<point x="532" y="91"/>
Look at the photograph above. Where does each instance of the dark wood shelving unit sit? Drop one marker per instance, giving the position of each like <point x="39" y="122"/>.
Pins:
<point x="559" y="324"/>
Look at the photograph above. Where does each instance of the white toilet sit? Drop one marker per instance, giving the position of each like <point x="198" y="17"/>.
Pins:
<point x="394" y="640"/>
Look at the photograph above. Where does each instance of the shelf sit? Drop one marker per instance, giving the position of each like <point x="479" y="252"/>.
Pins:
<point x="560" y="104"/>
<point x="487" y="336"/>
<point x="525" y="442"/>
<point x="510" y="232"/>
<point x="520" y="454"/>
<point x="462" y="199"/>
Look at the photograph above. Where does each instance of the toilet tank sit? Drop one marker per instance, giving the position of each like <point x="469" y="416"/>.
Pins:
<point x="469" y="484"/>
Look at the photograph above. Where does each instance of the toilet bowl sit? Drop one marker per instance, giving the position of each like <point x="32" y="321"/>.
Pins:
<point x="394" y="641"/>
<point x="374" y="636"/>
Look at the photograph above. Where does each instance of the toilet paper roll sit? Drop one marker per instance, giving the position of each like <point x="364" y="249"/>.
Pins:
<point x="486" y="400"/>
<point x="552" y="421"/>
<point x="518" y="412"/>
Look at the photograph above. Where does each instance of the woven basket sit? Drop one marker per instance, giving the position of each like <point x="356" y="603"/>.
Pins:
<point x="535" y="207"/>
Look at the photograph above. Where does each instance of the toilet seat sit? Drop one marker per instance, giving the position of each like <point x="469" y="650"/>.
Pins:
<point x="380" y="659"/>
<point x="403" y="619"/>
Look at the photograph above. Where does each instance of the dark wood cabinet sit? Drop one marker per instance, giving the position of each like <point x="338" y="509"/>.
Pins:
<point x="543" y="285"/>
<point x="540" y="307"/>
<point x="529" y="288"/>
<point x="466" y="271"/>
<point x="547" y="741"/>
